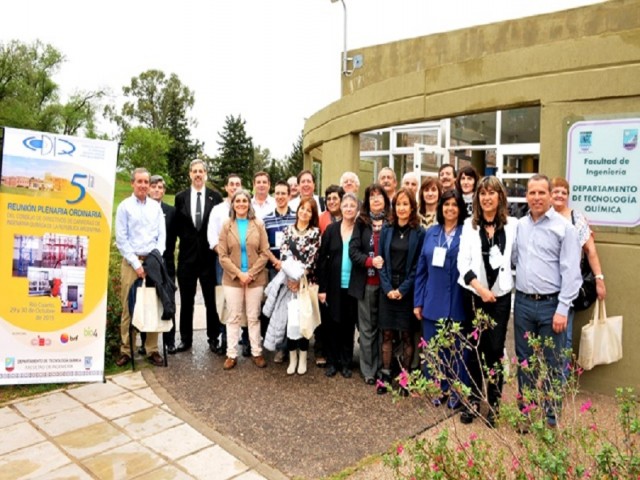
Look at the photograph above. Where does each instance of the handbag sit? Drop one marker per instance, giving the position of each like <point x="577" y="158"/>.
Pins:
<point x="309" y="308"/>
<point x="587" y="293"/>
<point x="293" y="319"/>
<point x="601" y="339"/>
<point x="147" y="312"/>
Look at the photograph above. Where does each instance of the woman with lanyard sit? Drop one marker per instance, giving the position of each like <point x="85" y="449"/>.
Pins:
<point x="437" y="293"/>
<point x="243" y="248"/>
<point x="484" y="262"/>
<point x="400" y="245"/>
<point x="364" y="251"/>
<point x="335" y="274"/>
<point x="428" y="198"/>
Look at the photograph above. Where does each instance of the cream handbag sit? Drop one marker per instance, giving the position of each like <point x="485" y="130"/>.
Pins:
<point x="601" y="339"/>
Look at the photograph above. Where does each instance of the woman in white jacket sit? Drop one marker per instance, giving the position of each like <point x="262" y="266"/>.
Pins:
<point x="484" y="263"/>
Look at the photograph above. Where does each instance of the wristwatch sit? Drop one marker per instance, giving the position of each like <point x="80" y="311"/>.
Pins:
<point x="600" y="276"/>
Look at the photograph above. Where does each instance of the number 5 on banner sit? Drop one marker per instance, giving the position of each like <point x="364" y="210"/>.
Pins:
<point x="75" y="181"/>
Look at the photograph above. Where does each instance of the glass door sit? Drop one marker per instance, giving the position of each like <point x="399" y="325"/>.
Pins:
<point x="427" y="159"/>
<point x="515" y="165"/>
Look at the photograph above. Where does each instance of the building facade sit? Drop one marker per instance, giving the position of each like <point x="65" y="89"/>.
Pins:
<point x="504" y="98"/>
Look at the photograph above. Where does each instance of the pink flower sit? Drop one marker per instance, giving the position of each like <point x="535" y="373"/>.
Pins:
<point x="434" y="467"/>
<point x="423" y="343"/>
<point x="492" y="373"/>
<point x="380" y="384"/>
<point x="399" y="449"/>
<point x="526" y="335"/>
<point x="527" y="408"/>
<point x="475" y="334"/>
<point x="579" y="371"/>
<point x="403" y="378"/>
<point x="585" y="406"/>
<point x="473" y="436"/>
<point x="524" y="363"/>
<point x="515" y="464"/>
<point x="514" y="360"/>
<point x="593" y="427"/>
<point x="470" y="463"/>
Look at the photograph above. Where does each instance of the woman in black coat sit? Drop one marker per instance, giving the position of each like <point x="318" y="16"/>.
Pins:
<point x="364" y="251"/>
<point x="334" y="276"/>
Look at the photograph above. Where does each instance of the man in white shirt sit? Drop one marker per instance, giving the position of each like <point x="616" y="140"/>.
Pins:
<point x="140" y="229"/>
<point x="263" y="204"/>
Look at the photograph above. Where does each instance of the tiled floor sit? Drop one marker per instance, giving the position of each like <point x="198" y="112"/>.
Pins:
<point x="116" y="430"/>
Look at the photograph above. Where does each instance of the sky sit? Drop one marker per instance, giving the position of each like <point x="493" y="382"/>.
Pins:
<point x="274" y="62"/>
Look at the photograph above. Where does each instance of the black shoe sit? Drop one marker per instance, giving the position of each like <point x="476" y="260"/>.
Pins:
<point x="403" y="392"/>
<point x="468" y="414"/>
<point x="384" y="382"/>
<point x="142" y="351"/>
<point x="346" y="372"/>
<point x="183" y="347"/>
<point x="171" y="349"/>
<point x="246" y="350"/>
<point x="213" y="347"/>
<point x="331" y="371"/>
<point x="491" y="418"/>
<point x="370" y="380"/>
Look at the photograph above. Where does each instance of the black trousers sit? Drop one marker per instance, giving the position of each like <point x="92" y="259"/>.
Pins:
<point x="187" y="283"/>
<point x="340" y="332"/>
<point x="484" y="363"/>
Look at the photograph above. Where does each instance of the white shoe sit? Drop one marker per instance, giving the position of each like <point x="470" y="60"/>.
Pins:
<point x="302" y="363"/>
<point x="293" y="361"/>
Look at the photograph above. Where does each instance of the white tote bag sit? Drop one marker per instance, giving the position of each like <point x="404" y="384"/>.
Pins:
<point x="147" y="313"/>
<point x="293" y="319"/>
<point x="308" y="307"/>
<point x="601" y="339"/>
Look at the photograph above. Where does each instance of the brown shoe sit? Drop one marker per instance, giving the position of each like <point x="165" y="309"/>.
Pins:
<point x="123" y="360"/>
<point x="229" y="363"/>
<point x="155" y="359"/>
<point x="259" y="361"/>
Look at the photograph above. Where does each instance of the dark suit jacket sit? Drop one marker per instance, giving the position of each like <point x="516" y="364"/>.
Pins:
<point x="330" y="268"/>
<point x="170" y="247"/>
<point x="416" y="237"/>
<point x="359" y="254"/>
<point x="194" y="255"/>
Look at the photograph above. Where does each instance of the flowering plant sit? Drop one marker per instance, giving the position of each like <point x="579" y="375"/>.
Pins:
<point x="516" y="441"/>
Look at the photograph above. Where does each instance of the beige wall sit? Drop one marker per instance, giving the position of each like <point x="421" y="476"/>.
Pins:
<point x="576" y="64"/>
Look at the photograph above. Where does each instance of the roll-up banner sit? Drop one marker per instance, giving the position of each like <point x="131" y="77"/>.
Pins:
<point x="56" y="202"/>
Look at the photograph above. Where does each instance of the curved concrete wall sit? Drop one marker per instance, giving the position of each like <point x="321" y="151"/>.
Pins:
<point x="576" y="64"/>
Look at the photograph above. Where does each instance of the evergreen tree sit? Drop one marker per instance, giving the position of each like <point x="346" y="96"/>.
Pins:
<point x="236" y="153"/>
<point x="294" y="162"/>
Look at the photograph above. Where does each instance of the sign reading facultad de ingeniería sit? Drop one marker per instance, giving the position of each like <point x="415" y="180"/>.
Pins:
<point x="603" y="170"/>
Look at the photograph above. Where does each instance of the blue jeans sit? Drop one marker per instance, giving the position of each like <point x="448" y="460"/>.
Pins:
<point x="536" y="317"/>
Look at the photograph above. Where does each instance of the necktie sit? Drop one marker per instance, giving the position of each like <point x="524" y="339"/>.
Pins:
<point x="198" y="212"/>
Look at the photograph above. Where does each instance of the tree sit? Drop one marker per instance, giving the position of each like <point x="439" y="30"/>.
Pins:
<point x="29" y="97"/>
<point x="236" y="152"/>
<point x="162" y="103"/>
<point x="295" y="160"/>
<point x="145" y="147"/>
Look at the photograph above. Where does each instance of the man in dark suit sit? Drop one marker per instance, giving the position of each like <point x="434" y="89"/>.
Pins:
<point x="156" y="191"/>
<point x="196" y="261"/>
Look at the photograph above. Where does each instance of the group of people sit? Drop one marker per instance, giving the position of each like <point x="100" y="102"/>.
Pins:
<point x="399" y="265"/>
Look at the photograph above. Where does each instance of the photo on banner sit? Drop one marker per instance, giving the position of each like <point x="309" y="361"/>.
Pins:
<point x="56" y="202"/>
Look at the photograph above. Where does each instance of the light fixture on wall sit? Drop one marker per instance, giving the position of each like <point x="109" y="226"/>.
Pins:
<point x="345" y="59"/>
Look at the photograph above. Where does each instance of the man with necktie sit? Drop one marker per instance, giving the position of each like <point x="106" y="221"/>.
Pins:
<point x="196" y="261"/>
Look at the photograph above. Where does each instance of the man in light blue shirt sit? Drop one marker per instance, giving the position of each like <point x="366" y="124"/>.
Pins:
<point x="546" y="255"/>
<point x="140" y="229"/>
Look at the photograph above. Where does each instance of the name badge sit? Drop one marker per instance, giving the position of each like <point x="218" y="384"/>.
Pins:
<point x="495" y="257"/>
<point x="439" y="255"/>
<point x="279" y="239"/>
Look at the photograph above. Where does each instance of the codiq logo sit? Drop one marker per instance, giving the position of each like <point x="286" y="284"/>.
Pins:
<point x="48" y="145"/>
<point x="40" y="341"/>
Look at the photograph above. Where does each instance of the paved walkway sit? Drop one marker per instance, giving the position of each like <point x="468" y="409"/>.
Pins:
<point x="128" y="427"/>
